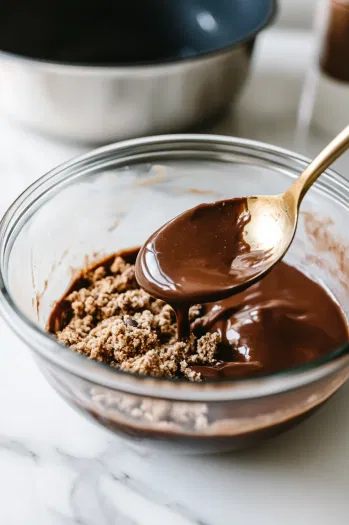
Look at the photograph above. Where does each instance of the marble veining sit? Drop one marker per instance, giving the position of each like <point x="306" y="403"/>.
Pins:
<point x="56" y="468"/>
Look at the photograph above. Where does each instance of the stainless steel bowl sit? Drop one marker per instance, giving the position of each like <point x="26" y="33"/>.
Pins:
<point x="96" y="102"/>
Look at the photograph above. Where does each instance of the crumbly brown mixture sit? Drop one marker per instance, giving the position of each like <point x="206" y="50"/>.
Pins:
<point x="111" y="319"/>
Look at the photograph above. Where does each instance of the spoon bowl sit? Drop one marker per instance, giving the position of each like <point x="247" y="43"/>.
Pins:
<point x="216" y="250"/>
<point x="268" y="233"/>
<point x="273" y="218"/>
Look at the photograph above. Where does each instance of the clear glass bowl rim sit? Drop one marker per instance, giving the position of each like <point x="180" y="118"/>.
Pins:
<point x="52" y="352"/>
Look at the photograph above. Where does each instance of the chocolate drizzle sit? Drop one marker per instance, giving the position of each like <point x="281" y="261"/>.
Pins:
<point x="199" y="256"/>
<point x="284" y="320"/>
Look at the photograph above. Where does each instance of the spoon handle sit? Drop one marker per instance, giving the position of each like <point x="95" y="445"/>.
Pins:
<point x="323" y="160"/>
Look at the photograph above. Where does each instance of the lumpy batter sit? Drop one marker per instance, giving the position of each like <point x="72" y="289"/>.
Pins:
<point x="283" y="321"/>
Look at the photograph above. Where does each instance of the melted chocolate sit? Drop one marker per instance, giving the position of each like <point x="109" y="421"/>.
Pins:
<point x="283" y="321"/>
<point x="200" y="255"/>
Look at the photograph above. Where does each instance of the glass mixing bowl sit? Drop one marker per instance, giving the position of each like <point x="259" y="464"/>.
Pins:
<point x="112" y="199"/>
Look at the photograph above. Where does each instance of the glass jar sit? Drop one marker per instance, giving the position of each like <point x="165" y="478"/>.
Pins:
<point x="324" y="104"/>
<point x="112" y="199"/>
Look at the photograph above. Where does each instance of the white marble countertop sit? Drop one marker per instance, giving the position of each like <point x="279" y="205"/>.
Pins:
<point x="58" y="469"/>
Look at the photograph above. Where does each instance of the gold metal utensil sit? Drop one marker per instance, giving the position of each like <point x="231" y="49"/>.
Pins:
<point x="273" y="218"/>
<point x="218" y="249"/>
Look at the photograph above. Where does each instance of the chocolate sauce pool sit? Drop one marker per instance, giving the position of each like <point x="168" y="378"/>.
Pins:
<point x="285" y="320"/>
<point x="282" y="321"/>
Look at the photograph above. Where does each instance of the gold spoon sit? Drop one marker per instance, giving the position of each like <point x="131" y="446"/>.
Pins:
<point x="273" y="218"/>
<point x="216" y="250"/>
